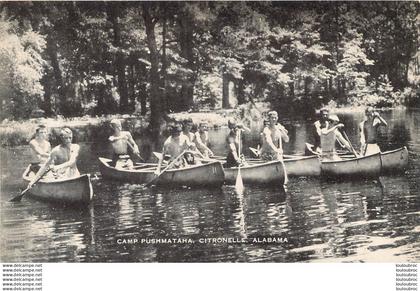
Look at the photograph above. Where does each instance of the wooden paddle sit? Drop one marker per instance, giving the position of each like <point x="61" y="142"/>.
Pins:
<point x="167" y="168"/>
<point x="351" y="146"/>
<point x="239" y="184"/>
<point x="132" y="150"/>
<point x="18" y="198"/>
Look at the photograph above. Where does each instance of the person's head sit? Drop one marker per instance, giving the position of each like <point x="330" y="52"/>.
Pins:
<point x="187" y="124"/>
<point x="273" y="117"/>
<point x="369" y="111"/>
<point x="176" y="129"/>
<point x="203" y="126"/>
<point x="324" y="113"/>
<point x="334" y="119"/>
<point x="116" y="124"/>
<point x="266" y="122"/>
<point x="231" y="124"/>
<point x="66" y="136"/>
<point x="41" y="132"/>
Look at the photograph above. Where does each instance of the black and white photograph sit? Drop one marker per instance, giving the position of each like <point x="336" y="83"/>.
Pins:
<point x="209" y="132"/>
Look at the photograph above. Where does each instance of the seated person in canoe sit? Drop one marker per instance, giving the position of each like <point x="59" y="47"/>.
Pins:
<point x="120" y="141"/>
<point x="329" y="135"/>
<point x="234" y="144"/>
<point x="201" y="140"/>
<point x="40" y="149"/>
<point x="368" y="129"/>
<point x="318" y="125"/>
<point x="62" y="160"/>
<point x="187" y="125"/>
<point x="272" y="139"/>
<point x="174" y="146"/>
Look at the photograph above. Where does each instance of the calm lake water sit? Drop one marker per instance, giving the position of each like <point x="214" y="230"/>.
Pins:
<point x="312" y="221"/>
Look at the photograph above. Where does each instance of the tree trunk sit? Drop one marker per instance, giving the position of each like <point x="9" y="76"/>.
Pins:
<point x="225" y="98"/>
<point x="156" y="108"/>
<point x="186" y="42"/>
<point x="52" y="53"/>
<point x="114" y="14"/>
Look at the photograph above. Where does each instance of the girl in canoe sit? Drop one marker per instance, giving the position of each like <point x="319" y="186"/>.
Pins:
<point x="40" y="149"/>
<point x="120" y="141"/>
<point x="272" y="139"/>
<point x="62" y="160"/>
<point x="329" y="135"/>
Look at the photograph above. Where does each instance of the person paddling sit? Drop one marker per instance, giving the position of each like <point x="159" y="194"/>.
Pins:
<point x="201" y="140"/>
<point x="175" y="145"/>
<point x="40" y="149"/>
<point x="120" y="141"/>
<point x="233" y="140"/>
<point x="323" y="122"/>
<point x="368" y="129"/>
<point x="329" y="136"/>
<point x="272" y="139"/>
<point x="62" y="161"/>
<point x="187" y="125"/>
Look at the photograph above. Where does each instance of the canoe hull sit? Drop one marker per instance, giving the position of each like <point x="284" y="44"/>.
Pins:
<point x="303" y="166"/>
<point x="395" y="160"/>
<point x="209" y="175"/>
<point x="74" y="190"/>
<point x="260" y="173"/>
<point x="363" y="167"/>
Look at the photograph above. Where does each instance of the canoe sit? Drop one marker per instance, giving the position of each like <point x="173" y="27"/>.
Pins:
<point x="72" y="190"/>
<point x="259" y="173"/>
<point x="362" y="167"/>
<point x="209" y="175"/>
<point x="303" y="166"/>
<point x="395" y="160"/>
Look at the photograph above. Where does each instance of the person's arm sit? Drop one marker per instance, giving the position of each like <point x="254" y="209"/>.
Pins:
<point x="43" y="169"/>
<point x="200" y="144"/>
<point x="362" y="137"/>
<point x="133" y="144"/>
<point x="269" y="140"/>
<point x="327" y="131"/>
<point x="38" y="149"/>
<point x="317" y="125"/>
<point x="343" y="142"/>
<point x="161" y="158"/>
<point x="284" y="133"/>
<point x="74" y="153"/>
<point x="233" y="149"/>
<point x="379" y="120"/>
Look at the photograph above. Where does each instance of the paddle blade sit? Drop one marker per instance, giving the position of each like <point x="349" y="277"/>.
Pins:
<point x="18" y="198"/>
<point x="239" y="185"/>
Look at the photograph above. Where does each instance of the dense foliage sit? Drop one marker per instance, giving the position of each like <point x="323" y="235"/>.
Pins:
<point x="151" y="58"/>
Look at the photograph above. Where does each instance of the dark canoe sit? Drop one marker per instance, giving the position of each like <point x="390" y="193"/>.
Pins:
<point x="73" y="190"/>
<point x="209" y="175"/>
<point x="303" y="166"/>
<point x="258" y="173"/>
<point x="395" y="160"/>
<point x="362" y="167"/>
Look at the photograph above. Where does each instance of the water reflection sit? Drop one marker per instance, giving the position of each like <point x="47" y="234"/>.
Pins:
<point x="332" y="222"/>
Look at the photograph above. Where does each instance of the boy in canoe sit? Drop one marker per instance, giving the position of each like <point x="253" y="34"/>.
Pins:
<point x="187" y="125"/>
<point x="368" y="129"/>
<point x="40" y="149"/>
<point x="329" y="136"/>
<point x="120" y="141"/>
<point x="174" y="146"/>
<point x="62" y="160"/>
<point x="234" y="144"/>
<point x="318" y="125"/>
<point x="201" y="140"/>
<point x="272" y="139"/>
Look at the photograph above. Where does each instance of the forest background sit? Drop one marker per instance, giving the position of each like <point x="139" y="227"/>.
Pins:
<point x="149" y="59"/>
